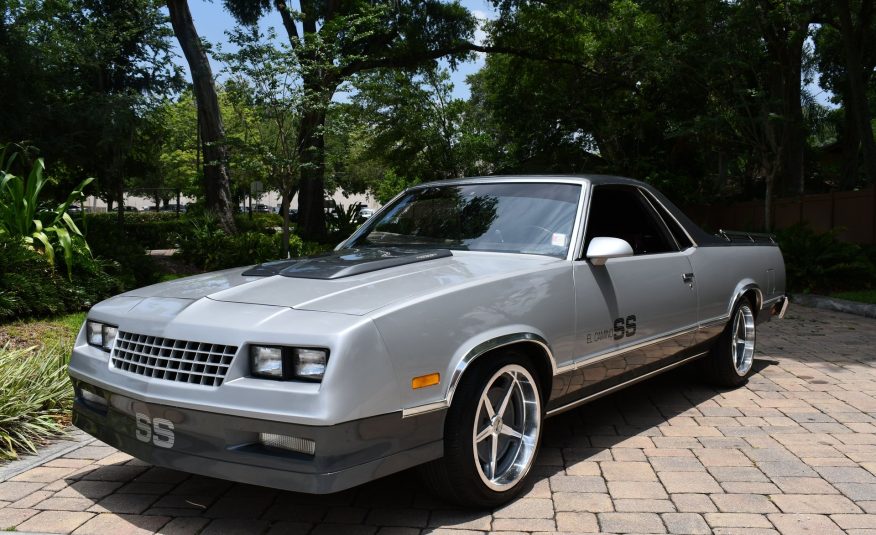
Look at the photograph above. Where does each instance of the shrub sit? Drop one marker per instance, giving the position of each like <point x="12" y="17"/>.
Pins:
<point x="24" y="216"/>
<point x="30" y="286"/>
<point x="259" y="222"/>
<point x="821" y="263"/>
<point x="35" y="397"/>
<point x="148" y="229"/>
<point x="209" y="248"/>
<point x="131" y="264"/>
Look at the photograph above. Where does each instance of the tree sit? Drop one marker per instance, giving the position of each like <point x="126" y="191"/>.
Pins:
<point x="216" y="180"/>
<point x="86" y="72"/>
<point x="409" y="123"/>
<point x="846" y="49"/>
<point x="334" y="41"/>
<point x="263" y="96"/>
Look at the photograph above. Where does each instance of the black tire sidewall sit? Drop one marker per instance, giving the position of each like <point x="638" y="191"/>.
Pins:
<point x="458" y="451"/>
<point x="723" y="369"/>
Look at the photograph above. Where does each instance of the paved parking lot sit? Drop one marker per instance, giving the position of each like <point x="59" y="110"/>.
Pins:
<point x="792" y="452"/>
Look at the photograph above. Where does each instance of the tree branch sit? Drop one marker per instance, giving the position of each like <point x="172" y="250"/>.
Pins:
<point x="400" y="62"/>
<point x="288" y="21"/>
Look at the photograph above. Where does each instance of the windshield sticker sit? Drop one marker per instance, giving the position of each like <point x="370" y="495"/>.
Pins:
<point x="558" y="239"/>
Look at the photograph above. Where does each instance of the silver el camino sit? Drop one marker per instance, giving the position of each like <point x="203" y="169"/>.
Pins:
<point x="442" y="333"/>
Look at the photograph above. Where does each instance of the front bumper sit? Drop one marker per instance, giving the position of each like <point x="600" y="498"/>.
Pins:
<point x="227" y="447"/>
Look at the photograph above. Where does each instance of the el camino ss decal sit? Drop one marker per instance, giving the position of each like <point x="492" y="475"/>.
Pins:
<point x="623" y="327"/>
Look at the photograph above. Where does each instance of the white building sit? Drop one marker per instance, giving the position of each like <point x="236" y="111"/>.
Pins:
<point x="271" y="199"/>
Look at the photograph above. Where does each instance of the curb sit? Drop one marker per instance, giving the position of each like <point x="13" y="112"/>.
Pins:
<point x="74" y="439"/>
<point x="837" y="305"/>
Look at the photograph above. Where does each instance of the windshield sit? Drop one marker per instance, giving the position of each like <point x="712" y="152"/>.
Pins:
<point x="531" y="218"/>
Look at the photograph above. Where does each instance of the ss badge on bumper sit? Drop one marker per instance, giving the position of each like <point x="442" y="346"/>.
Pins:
<point x="159" y="431"/>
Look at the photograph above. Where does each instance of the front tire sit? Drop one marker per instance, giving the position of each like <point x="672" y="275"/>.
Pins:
<point x="491" y="434"/>
<point x="731" y="359"/>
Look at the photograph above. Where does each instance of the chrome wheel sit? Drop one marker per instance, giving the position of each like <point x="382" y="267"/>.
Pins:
<point x="742" y="340"/>
<point x="506" y="427"/>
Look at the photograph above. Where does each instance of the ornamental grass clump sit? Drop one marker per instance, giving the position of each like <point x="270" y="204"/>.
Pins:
<point x="35" y="398"/>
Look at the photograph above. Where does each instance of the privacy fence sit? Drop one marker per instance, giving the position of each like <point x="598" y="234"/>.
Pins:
<point x="852" y="211"/>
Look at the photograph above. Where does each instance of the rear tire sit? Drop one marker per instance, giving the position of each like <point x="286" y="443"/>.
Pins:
<point x="731" y="360"/>
<point x="491" y="434"/>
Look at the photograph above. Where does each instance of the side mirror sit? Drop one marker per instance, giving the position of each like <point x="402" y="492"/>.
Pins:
<point x="601" y="249"/>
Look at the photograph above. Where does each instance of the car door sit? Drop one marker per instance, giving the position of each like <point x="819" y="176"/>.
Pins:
<point x="633" y="314"/>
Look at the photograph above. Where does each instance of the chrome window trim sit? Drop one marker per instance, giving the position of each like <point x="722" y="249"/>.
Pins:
<point x="573" y="238"/>
<point x="668" y="211"/>
<point x="647" y="196"/>
<point x="660" y="220"/>
<point x="585" y="214"/>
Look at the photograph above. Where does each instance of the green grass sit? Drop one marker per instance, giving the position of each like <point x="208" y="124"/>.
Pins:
<point x="863" y="296"/>
<point x="59" y="331"/>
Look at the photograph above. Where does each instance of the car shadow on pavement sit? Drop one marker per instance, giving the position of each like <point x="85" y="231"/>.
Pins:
<point x="616" y="427"/>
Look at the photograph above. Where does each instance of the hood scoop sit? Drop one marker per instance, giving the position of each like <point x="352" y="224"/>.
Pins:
<point x="345" y="263"/>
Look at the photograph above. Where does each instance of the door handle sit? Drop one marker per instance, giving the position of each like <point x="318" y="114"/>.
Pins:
<point x="687" y="278"/>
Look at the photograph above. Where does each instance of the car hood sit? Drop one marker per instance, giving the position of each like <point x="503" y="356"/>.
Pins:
<point x="356" y="294"/>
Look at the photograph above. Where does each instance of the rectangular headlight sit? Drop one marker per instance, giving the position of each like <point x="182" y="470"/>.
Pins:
<point x="274" y="362"/>
<point x="94" y="333"/>
<point x="310" y="363"/>
<point x="267" y="361"/>
<point x="100" y="334"/>
<point x="109" y="336"/>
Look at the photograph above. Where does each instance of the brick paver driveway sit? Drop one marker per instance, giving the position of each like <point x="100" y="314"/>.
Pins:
<point x="793" y="452"/>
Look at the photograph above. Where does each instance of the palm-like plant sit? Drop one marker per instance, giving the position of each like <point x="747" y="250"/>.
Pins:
<point x="40" y="226"/>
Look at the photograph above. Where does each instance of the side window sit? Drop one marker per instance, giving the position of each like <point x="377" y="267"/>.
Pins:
<point x="622" y="212"/>
<point x="674" y="228"/>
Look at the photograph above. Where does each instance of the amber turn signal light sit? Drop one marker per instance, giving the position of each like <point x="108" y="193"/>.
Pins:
<point x="425" y="380"/>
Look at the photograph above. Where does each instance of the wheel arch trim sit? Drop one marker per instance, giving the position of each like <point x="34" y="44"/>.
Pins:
<point x="472" y="355"/>
<point x="743" y="288"/>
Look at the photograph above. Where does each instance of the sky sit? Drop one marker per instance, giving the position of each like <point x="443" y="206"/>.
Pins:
<point x="212" y="21"/>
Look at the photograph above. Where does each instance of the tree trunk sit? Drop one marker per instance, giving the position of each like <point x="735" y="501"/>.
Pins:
<point x="285" y="201"/>
<point x="311" y="189"/>
<point x="851" y="143"/>
<point x="768" y="201"/>
<point x="216" y="181"/>
<point x="856" y="101"/>
<point x="120" y="199"/>
<point x="786" y="49"/>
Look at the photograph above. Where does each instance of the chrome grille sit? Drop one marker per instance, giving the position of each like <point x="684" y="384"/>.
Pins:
<point x="182" y="361"/>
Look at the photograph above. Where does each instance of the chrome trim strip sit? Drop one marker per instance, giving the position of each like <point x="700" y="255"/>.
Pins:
<point x="599" y="357"/>
<point x="424" y="409"/>
<point x="577" y="238"/>
<point x="647" y="197"/>
<point x="784" y="307"/>
<point x="714" y="322"/>
<point x="769" y="302"/>
<point x="477" y="351"/>
<point x="668" y="211"/>
<point x="747" y="287"/>
<point x="582" y="227"/>
<point x="617" y="387"/>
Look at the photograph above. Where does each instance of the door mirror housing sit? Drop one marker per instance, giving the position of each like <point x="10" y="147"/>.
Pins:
<point x="601" y="249"/>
